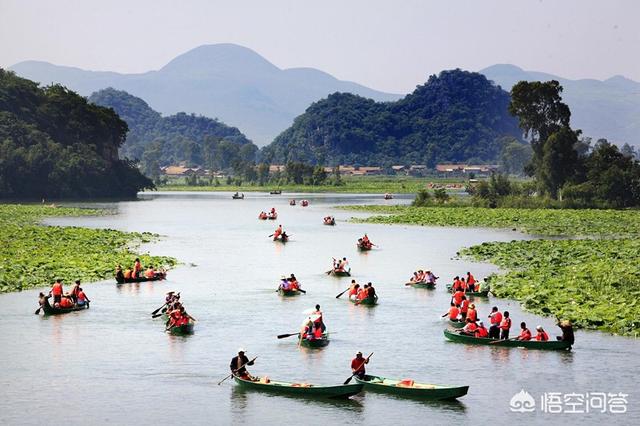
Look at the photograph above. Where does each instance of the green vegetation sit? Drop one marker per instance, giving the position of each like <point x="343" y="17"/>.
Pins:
<point x="457" y="116"/>
<point x="161" y="141"/>
<point x="348" y="184"/>
<point x="33" y="255"/>
<point x="593" y="281"/>
<point x="54" y="144"/>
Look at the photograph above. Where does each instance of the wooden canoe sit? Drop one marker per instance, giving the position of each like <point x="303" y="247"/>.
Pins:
<point x="363" y="247"/>
<point x="340" y="273"/>
<point x="288" y="293"/>
<point x="366" y="302"/>
<point x="457" y="324"/>
<point x="182" y="330"/>
<point x="50" y="310"/>
<point x="275" y="192"/>
<point x="421" y="284"/>
<point x="238" y="197"/>
<point x="529" y="344"/>
<point x="315" y="343"/>
<point x="416" y="390"/>
<point x="302" y="389"/>
<point x="282" y="238"/>
<point x="158" y="277"/>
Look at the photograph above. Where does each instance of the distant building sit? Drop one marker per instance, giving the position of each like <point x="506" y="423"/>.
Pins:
<point x="276" y="168"/>
<point x="462" y="169"/>
<point x="183" y="171"/>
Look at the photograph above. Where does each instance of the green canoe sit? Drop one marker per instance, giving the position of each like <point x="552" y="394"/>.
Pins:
<point x="457" y="324"/>
<point x="302" y="389"/>
<point x="50" y="310"/>
<point x="182" y="330"/>
<point x="529" y="344"/>
<point x="478" y="293"/>
<point x="421" y="284"/>
<point x="417" y="390"/>
<point x="369" y="301"/>
<point x="315" y="343"/>
<point x="340" y="273"/>
<point x="288" y="293"/>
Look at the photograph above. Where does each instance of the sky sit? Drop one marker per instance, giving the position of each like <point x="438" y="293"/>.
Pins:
<point x="389" y="45"/>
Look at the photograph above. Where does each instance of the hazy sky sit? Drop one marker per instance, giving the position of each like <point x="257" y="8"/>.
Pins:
<point x="388" y="45"/>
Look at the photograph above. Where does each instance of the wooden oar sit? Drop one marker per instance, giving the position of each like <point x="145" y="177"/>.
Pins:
<point x="234" y="371"/>
<point x="502" y="340"/>
<point x="282" y="336"/>
<point x="270" y="236"/>
<point x="156" y="311"/>
<point x="346" y="382"/>
<point x="338" y="296"/>
<point x="38" y="310"/>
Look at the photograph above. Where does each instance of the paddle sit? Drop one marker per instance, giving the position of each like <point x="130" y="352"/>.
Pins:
<point x="338" y="296"/>
<point x="248" y="362"/>
<point x="156" y="311"/>
<point x="38" y="310"/>
<point x="502" y="340"/>
<point x="346" y="382"/>
<point x="282" y="336"/>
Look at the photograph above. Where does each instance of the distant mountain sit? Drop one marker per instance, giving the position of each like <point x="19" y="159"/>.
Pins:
<point x="602" y="109"/>
<point x="162" y="141"/>
<point x="456" y="116"/>
<point x="227" y="81"/>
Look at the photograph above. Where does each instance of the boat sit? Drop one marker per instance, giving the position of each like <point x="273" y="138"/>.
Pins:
<point x="369" y="301"/>
<point x="484" y="293"/>
<point x="263" y="216"/>
<point x="340" y="273"/>
<point x="272" y="216"/>
<point x="288" y="293"/>
<point x="50" y="310"/>
<point x="364" y="247"/>
<point x="456" y="324"/>
<point x="158" y="277"/>
<point x="283" y="238"/>
<point x="331" y="221"/>
<point x="304" y="203"/>
<point x="276" y="192"/>
<point x="182" y="330"/>
<point x="556" y="345"/>
<point x="411" y="389"/>
<point x="421" y="284"/>
<point x="388" y="196"/>
<point x="306" y="390"/>
<point x="315" y="343"/>
<point x="292" y="202"/>
<point x="237" y="196"/>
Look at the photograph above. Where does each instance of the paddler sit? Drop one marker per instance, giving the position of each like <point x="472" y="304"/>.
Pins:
<point x="505" y="326"/>
<point x="74" y="291"/>
<point x="353" y="290"/>
<point x="82" y="298"/>
<point x="238" y="364"/>
<point x="277" y="232"/>
<point x="472" y="313"/>
<point x="452" y="313"/>
<point x="541" y="335"/>
<point x="471" y="282"/>
<point x="320" y="319"/>
<point x="567" y="332"/>
<point x="371" y="292"/>
<point x="137" y="268"/>
<point x="470" y="328"/>
<point x="525" y="333"/>
<point x="357" y="365"/>
<point x="119" y="274"/>
<point x="482" y="331"/>
<point x="56" y="292"/>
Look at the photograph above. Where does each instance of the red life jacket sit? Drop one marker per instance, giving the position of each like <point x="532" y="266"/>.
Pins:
<point x="81" y="296"/>
<point x="482" y="332"/>
<point x="457" y="297"/>
<point x="525" y="334"/>
<point x="56" y="290"/>
<point x="496" y="318"/>
<point x="506" y="324"/>
<point x="453" y="313"/>
<point x="66" y="303"/>
<point x="464" y="306"/>
<point x="542" y="336"/>
<point x="317" y="333"/>
<point x="472" y="314"/>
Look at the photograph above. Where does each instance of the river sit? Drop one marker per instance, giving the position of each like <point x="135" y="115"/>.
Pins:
<point x="114" y="364"/>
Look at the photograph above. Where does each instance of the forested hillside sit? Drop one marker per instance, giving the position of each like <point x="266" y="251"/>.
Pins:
<point x="456" y="116"/>
<point x="55" y="144"/>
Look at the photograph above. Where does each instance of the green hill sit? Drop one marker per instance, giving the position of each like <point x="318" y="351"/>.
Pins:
<point x="54" y="144"/>
<point x="161" y="141"/>
<point x="457" y="116"/>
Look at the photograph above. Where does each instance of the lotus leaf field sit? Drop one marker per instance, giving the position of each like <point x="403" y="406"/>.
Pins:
<point x="33" y="255"/>
<point x="593" y="281"/>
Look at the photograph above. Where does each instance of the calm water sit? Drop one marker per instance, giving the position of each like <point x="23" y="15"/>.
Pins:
<point x="113" y="364"/>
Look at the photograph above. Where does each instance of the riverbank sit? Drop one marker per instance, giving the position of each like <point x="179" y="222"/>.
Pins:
<point x="594" y="282"/>
<point x="34" y="255"/>
<point x="355" y="185"/>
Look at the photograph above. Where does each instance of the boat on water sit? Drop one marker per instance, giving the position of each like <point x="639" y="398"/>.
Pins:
<point x="283" y="238"/>
<point x="337" y="273"/>
<point x="364" y="247"/>
<point x="421" y="284"/>
<point x="484" y="293"/>
<point x="304" y="203"/>
<point x="237" y="196"/>
<point x="315" y="343"/>
<point x="182" y="330"/>
<point x="369" y="301"/>
<point x="272" y="216"/>
<point x="51" y="310"/>
<point x="388" y="196"/>
<point x="330" y="221"/>
<point x="306" y="390"/>
<point x="288" y="293"/>
<point x="410" y="389"/>
<point x="556" y="345"/>
<point x="276" y="192"/>
<point x="456" y="324"/>
<point x="158" y="277"/>
<point x="292" y="202"/>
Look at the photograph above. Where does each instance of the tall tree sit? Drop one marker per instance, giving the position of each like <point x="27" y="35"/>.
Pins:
<point x="559" y="161"/>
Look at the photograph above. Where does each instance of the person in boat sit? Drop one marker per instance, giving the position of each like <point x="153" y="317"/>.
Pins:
<point x="285" y="284"/>
<point x="320" y="320"/>
<point x="43" y="300"/>
<point x="541" y="335"/>
<point x="414" y="278"/>
<point x="128" y="274"/>
<point x="277" y="232"/>
<point x="82" y="298"/>
<point x="472" y="313"/>
<point x="343" y="264"/>
<point x="567" y="332"/>
<point x="470" y="328"/>
<point x="353" y="290"/>
<point x="495" y="318"/>
<point x="238" y="365"/>
<point x="150" y="273"/>
<point x="57" y="292"/>
<point x="482" y="331"/>
<point x="457" y="297"/>
<point x="471" y="282"/>
<point x="457" y="284"/>
<point x="464" y="308"/>
<point x="357" y="365"/>
<point x="362" y="293"/>
<point x="525" y="333"/>
<point x="74" y="291"/>
<point x="119" y="274"/>
<point x="293" y="282"/>
<point x="505" y="326"/>
<point x="371" y="292"/>
<point x="66" y="302"/>
<point x="453" y="313"/>
<point x="137" y="268"/>
<point x="431" y="279"/>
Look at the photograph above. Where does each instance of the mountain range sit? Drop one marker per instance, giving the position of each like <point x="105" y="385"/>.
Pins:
<point x="601" y="109"/>
<point x="245" y="90"/>
<point x="224" y="81"/>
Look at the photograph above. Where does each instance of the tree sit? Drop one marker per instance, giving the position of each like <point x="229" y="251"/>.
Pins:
<point x="515" y="156"/>
<point x="559" y="161"/>
<point x="441" y="195"/>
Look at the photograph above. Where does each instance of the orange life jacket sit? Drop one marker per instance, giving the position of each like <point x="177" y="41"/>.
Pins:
<point x="496" y="318"/>
<point x="81" y="296"/>
<point x="457" y="297"/>
<point x="317" y="333"/>
<point x="56" y="290"/>
<point x="127" y="274"/>
<point x="66" y="303"/>
<point x="149" y="273"/>
<point x="525" y="334"/>
<point x="464" y="306"/>
<point x="453" y="313"/>
<point x="482" y="332"/>
<point x="506" y="324"/>
<point x="542" y="336"/>
<point x="137" y="267"/>
<point x="471" y="280"/>
<point x="471" y="326"/>
<point x="472" y="314"/>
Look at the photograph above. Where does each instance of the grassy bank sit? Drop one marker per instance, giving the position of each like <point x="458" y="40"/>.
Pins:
<point x="33" y="255"/>
<point x="362" y="184"/>
<point x="595" y="282"/>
